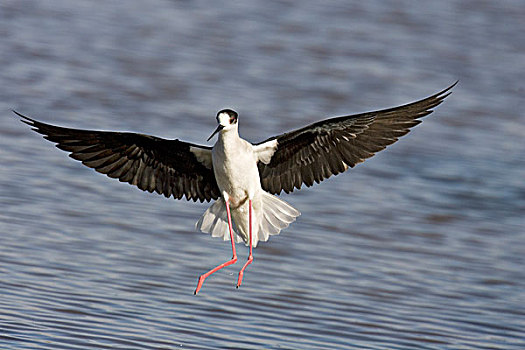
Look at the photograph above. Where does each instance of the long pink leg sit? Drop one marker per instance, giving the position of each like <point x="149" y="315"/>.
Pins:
<point x="250" y="257"/>
<point x="227" y="263"/>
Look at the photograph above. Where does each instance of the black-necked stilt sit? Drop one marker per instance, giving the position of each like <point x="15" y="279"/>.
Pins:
<point x="242" y="177"/>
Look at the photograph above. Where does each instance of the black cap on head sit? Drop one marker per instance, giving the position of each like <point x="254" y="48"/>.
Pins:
<point x="224" y="120"/>
<point x="233" y="115"/>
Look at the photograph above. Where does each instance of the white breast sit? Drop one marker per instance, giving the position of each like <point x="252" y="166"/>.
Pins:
<point x="235" y="168"/>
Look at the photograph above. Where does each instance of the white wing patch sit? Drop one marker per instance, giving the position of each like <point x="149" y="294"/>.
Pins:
<point x="203" y="156"/>
<point x="265" y="151"/>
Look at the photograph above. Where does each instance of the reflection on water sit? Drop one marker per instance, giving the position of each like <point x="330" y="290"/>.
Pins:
<point x="421" y="247"/>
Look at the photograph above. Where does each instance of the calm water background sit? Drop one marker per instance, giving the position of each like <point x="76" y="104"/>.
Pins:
<point x="421" y="247"/>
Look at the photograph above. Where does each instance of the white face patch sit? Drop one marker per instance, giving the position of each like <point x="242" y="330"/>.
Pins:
<point x="224" y="119"/>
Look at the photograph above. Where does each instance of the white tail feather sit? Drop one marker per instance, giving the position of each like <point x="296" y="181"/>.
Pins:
<point x="215" y="221"/>
<point x="276" y="215"/>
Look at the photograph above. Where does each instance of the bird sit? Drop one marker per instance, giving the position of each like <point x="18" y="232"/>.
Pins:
<point x="242" y="178"/>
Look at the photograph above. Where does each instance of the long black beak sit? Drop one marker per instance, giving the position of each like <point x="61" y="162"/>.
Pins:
<point x="219" y="128"/>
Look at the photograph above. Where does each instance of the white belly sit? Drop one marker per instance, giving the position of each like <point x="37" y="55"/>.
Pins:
<point x="237" y="175"/>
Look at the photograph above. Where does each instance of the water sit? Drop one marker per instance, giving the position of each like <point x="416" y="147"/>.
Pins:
<point x="420" y="247"/>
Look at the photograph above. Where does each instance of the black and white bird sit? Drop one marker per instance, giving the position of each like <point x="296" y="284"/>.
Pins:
<point x="243" y="178"/>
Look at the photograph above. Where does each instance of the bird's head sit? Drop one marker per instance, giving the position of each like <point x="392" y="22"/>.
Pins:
<point x="227" y="119"/>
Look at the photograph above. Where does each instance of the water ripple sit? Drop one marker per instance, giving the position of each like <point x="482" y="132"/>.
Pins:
<point x="419" y="248"/>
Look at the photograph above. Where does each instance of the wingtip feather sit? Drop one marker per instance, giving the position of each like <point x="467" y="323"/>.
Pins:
<point x="24" y="119"/>
<point x="445" y="92"/>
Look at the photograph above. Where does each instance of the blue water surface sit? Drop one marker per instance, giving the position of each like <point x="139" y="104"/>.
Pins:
<point x="421" y="247"/>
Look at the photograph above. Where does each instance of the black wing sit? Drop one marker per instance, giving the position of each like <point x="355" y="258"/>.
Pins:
<point x="329" y="147"/>
<point x="168" y="167"/>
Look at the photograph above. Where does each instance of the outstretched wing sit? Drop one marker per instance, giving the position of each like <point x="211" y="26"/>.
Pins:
<point x="329" y="147"/>
<point x="168" y="167"/>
